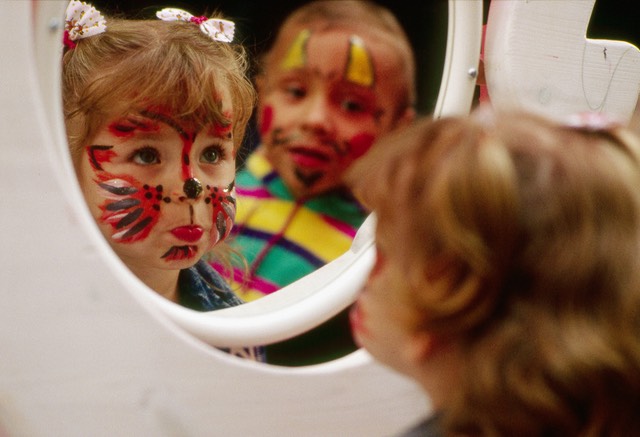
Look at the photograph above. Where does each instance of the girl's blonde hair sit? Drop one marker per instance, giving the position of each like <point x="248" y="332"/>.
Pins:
<point x="520" y="240"/>
<point x="138" y="64"/>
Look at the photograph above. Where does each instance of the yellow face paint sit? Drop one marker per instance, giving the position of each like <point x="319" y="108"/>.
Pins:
<point x="296" y="57"/>
<point x="359" y="66"/>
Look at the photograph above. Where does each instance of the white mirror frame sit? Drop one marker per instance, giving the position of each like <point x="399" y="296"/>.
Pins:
<point x="313" y="299"/>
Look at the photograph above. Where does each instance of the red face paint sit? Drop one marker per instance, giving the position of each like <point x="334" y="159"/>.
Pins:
<point x="98" y="155"/>
<point x="220" y="130"/>
<point x="160" y="115"/>
<point x="186" y="160"/>
<point x="360" y="144"/>
<point x="126" y="128"/>
<point x="189" y="234"/>
<point x="131" y="208"/>
<point x="223" y="201"/>
<point x="179" y="253"/>
<point x="266" y="120"/>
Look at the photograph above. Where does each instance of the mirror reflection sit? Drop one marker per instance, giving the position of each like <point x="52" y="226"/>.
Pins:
<point x="157" y="166"/>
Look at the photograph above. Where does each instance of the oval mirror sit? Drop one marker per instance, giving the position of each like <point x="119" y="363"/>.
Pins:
<point x="316" y="298"/>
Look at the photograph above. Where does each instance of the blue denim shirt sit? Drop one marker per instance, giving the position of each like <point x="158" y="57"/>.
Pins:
<point x="203" y="289"/>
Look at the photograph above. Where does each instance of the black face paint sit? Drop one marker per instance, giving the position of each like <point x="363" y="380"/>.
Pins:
<point x="192" y="188"/>
<point x="308" y="179"/>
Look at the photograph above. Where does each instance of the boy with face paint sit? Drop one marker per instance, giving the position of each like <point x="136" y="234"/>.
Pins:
<point x="339" y="75"/>
<point x="155" y="111"/>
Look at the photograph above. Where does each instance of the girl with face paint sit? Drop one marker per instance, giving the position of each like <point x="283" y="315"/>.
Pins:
<point x="155" y="111"/>
<point x="506" y="281"/>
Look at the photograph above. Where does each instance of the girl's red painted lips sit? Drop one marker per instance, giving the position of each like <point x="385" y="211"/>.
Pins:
<point x="190" y="234"/>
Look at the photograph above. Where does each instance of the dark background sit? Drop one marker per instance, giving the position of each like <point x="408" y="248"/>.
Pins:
<point x="425" y="23"/>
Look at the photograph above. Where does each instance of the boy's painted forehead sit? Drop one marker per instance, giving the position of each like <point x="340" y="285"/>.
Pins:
<point x="359" y="68"/>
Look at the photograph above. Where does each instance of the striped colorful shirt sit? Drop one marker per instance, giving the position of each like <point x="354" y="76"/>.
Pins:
<point x="281" y="238"/>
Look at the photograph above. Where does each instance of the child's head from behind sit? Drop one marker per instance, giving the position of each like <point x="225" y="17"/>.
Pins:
<point x="339" y="74"/>
<point x="155" y="113"/>
<point x="510" y="244"/>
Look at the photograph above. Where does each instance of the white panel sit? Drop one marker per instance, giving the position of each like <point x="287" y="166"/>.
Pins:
<point x="537" y="57"/>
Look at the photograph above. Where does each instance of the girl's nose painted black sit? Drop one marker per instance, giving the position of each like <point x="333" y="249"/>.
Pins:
<point x="192" y="188"/>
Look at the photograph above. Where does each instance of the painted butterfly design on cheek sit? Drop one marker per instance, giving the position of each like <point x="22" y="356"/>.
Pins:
<point x="223" y="201"/>
<point x="132" y="208"/>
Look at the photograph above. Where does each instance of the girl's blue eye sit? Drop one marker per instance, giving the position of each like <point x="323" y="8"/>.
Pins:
<point x="146" y="156"/>
<point x="211" y="155"/>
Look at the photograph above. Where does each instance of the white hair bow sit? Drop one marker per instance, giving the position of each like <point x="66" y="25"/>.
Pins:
<point x="81" y="21"/>
<point x="216" y="29"/>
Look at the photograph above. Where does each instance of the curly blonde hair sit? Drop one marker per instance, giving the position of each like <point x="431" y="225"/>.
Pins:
<point x="536" y="228"/>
